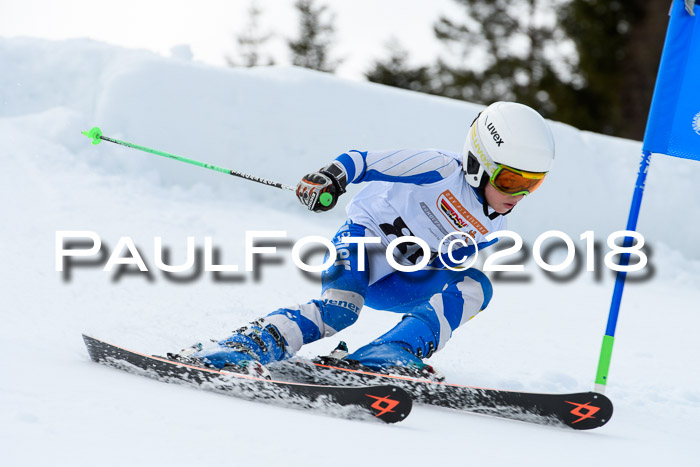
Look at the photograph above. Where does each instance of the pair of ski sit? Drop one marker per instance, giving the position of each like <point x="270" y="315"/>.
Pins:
<point x="356" y="394"/>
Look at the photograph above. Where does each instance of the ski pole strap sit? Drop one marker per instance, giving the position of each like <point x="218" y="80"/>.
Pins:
<point x="95" y="134"/>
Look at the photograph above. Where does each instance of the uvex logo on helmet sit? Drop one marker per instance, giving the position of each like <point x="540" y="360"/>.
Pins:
<point x="493" y="131"/>
<point x="483" y="158"/>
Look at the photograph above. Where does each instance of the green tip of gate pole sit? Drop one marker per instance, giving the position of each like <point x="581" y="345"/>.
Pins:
<point x="94" y="134"/>
<point x="326" y="199"/>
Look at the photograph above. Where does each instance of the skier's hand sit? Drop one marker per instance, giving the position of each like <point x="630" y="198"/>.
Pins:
<point x="319" y="191"/>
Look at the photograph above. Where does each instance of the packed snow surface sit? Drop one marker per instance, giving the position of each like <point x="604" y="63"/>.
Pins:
<point x="540" y="333"/>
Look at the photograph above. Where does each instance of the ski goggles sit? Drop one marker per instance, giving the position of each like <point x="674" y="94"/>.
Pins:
<point x="516" y="182"/>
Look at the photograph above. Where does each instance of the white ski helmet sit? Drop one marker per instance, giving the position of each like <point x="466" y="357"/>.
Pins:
<point x="504" y="136"/>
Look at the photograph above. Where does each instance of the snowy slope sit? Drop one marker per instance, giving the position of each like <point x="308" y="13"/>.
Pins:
<point x="279" y="123"/>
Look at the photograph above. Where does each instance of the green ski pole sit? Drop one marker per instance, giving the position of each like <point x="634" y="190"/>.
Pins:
<point x="95" y="134"/>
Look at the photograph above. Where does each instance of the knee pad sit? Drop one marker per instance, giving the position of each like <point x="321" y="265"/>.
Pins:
<point x="339" y="309"/>
<point x="302" y="324"/>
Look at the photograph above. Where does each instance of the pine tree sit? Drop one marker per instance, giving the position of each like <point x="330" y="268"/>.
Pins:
<point x="619" y="46"/>
<point x="311" y="48"/>
<point x="251" y="41"/>
<point x="505" y="51"/>
<point x="396" y="71"/>
<point x="603" y="84"/>
<point x="588" y="63"/>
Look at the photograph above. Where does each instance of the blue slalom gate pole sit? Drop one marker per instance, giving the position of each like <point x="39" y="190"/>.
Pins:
<point x="673" y="128"/>
<point x="609" y="337"/>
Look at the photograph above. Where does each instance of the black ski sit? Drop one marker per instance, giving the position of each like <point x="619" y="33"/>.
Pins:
<point x="384" y="402"/>
<point x="581" y="411"/>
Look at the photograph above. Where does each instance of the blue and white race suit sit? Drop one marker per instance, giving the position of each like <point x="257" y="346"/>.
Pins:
<point x="420" y="193"/>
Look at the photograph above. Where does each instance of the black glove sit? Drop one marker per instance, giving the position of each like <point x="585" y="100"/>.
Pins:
<point x="319" y="191"/>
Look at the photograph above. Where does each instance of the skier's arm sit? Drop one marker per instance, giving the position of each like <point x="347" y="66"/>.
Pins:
<point x="417" y="166"/>
<point x="319" y="191"/>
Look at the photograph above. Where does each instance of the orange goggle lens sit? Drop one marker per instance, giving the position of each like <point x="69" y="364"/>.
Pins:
<point x="516" y="182"/>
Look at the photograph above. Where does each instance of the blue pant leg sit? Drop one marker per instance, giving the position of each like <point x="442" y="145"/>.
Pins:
<point x="344" y="286"/>
<point x="343" y="295"/>
<point x="436" y="303"/>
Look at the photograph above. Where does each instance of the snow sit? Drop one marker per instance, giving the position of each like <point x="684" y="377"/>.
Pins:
<point x="537" y="335"/>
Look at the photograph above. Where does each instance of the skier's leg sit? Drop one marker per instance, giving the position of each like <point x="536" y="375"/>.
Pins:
<point x="281" y="334"/>
<point x="436" y="302"/>
<point x="343" y="291"/>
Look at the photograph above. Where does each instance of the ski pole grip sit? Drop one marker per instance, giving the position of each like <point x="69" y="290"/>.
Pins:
<point x="325" y="199"/>
<point x="95" y="134"/>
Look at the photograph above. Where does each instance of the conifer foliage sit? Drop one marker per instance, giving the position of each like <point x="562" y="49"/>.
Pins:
<point x="316" y="30"/>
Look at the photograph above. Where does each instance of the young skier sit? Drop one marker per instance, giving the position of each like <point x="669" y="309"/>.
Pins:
<point x="427" y="194"/>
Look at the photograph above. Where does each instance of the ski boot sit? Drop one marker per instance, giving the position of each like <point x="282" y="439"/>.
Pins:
<point x="402" y="349"/>
<point x="245" y="352"/>
<point x="389" y="358"/>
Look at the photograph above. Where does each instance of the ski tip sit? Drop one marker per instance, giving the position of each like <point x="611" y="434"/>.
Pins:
<point x="95" y="134"/>
<point x="389" y="404"/>
<point x="588" y="410"/>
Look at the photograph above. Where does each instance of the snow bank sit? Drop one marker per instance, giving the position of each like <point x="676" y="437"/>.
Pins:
<point x="281" y="122"/>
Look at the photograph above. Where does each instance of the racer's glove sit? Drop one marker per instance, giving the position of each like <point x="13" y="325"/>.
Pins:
<point x="319" y="191"/>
